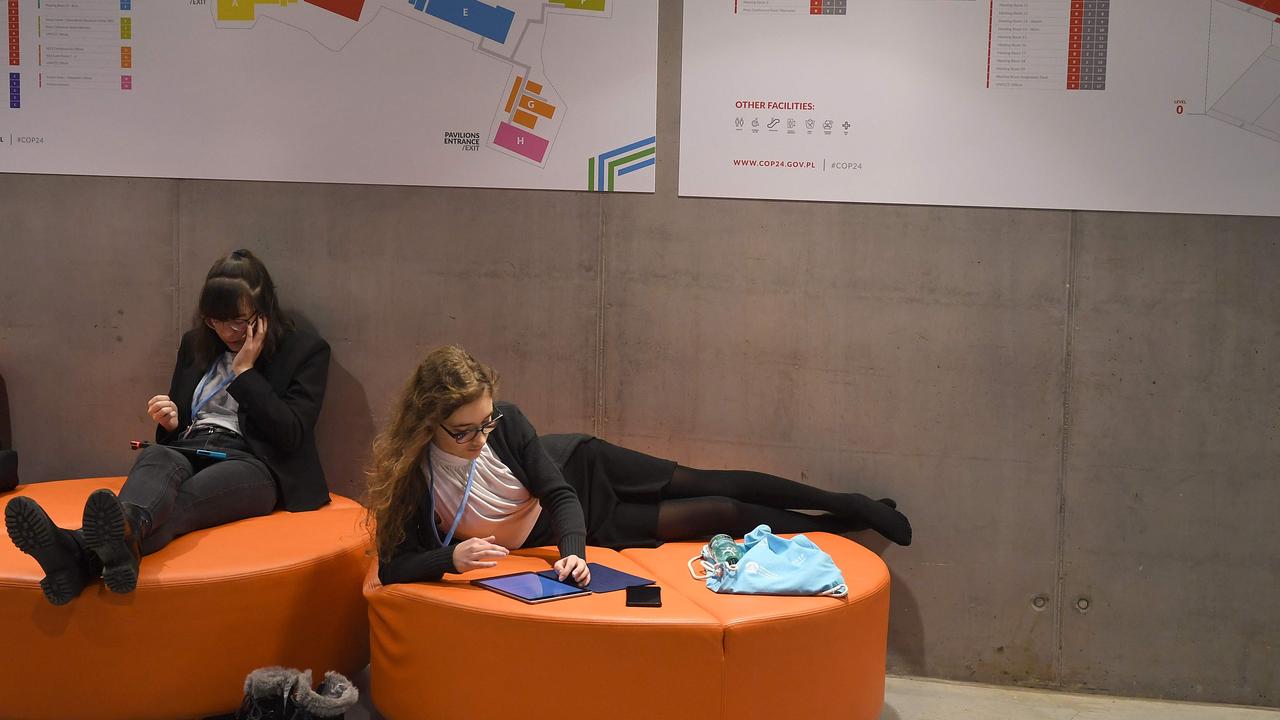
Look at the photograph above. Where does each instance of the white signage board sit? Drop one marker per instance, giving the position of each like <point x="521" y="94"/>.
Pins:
<point x="557" y="94"/>
<point x="1139" y="105"/>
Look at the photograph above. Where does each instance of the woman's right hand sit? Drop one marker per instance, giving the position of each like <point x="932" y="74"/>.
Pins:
<point x="474" y="553"/>
<point x="164" y="412"/>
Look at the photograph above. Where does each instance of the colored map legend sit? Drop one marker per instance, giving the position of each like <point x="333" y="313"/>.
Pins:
<point x="15" y="43"/>
<point x="790" y="7"/>
<point x="1048" y="44"/>
<point x="1087" y="45"/>
<point x="15" y="55"/>
<point x="86" y="44"/>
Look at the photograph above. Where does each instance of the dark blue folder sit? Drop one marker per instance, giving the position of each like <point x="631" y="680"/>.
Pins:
<point x="605" y="579"/>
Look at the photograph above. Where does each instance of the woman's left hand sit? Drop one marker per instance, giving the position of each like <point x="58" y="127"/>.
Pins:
<point x="575" y="567"/>
<point x="254" y="336"/>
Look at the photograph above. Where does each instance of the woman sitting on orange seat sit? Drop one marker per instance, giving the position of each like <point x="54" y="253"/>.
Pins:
<point x="459" y="478"/>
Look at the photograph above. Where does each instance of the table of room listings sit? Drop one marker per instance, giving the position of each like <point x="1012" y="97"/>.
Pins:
<point x="15" y="56"/>
<point x="75" y="44"/>
<point x="1048" y="44"/>
<point x="790" y="7"/>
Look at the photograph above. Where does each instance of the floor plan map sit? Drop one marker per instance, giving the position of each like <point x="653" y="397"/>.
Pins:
<point x="512" y="93"/>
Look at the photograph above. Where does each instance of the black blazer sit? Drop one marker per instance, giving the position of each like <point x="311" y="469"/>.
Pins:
<point x="421" y="557"/>
<point x="279" y="399"/>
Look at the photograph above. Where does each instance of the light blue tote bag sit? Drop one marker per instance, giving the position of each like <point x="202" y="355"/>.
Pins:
<point x="772" y="565"/>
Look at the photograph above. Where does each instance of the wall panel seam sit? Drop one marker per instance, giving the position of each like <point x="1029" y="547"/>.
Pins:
<point x="177" y="262"/>
<point x="597" y="412"/>
<point x="1068" y="337"/>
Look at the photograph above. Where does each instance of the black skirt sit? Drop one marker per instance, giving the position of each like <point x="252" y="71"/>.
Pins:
<point x="619" y="490"/>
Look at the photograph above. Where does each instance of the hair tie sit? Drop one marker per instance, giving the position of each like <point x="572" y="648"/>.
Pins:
<point x="240" y="254"/>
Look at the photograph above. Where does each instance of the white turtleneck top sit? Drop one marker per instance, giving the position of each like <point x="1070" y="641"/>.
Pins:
<point x="499" y="504"/>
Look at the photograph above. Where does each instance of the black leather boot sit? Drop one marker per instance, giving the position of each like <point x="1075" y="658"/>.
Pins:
<point x="68" y="565"/>
<point x="113" y="531"/>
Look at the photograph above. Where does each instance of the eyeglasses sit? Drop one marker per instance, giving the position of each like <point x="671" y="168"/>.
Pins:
<point x="237" y="325"/>
<point x="462" y="437"/>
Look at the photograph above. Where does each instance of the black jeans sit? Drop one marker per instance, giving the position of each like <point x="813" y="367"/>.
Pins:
<point x="181" y="493"/>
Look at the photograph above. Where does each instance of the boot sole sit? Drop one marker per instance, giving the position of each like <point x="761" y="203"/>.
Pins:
<point x="104" y="534"/>
<point x="32" y="532"/>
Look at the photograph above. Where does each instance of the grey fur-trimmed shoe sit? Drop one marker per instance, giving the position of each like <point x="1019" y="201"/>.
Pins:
<point x="335" y="696"/>
<point x="268" y="693"/>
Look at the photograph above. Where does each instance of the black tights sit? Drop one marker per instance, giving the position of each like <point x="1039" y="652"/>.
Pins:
<point x="701" y="503"/>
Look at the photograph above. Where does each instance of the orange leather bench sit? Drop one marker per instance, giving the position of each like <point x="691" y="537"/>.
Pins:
<point x="212" y="606"/>
<point x="451" y="650"/>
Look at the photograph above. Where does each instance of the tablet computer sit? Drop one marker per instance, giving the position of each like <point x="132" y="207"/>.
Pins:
<point x="530" y="587"/>
<point x="605" y="579"/>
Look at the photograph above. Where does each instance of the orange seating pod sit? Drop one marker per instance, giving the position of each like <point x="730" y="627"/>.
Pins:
<point x="210" y="607"/>
<point x="452" y="650"/>
<point x="794" y="657"/>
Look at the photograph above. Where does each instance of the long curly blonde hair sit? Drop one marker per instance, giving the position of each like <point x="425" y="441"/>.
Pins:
<point x="446" y="379"/>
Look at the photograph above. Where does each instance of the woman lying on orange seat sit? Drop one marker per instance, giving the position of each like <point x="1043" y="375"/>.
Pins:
<point x="246" y="390"/>
<point x="459" y="477"/>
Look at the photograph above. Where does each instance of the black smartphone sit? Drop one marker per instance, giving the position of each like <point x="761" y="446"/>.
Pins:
<point x="644" y="596"/>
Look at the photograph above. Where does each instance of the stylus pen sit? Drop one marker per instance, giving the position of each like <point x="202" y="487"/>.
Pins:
<point x="215" y="454"/>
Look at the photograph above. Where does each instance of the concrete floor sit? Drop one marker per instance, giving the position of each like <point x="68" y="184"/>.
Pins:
<point x="917" y="699"/>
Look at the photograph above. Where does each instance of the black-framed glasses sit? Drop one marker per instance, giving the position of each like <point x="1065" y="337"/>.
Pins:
<point x="462" y="437"/>
<point x="236" y="325"/>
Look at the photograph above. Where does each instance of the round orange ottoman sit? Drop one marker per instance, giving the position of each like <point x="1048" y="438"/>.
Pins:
<point x="210" y="607"/>
<point x="452" y="650"/>
<point x="449" y="649"/>
<point x="795" y="657"/>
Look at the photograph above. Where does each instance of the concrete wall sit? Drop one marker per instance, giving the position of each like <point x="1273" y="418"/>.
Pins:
<point x="1068" y="405"/>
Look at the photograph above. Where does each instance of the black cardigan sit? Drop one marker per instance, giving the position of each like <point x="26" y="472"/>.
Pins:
<point x="279" y="399"/>
<point x="421" y="557"/>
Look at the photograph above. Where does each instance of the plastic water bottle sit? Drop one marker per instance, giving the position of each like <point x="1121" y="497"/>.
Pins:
<point x="724" y="550"/>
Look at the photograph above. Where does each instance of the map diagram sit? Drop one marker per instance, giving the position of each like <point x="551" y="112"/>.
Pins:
<point x="525" y="124"/>
<point x="497" y="93"/>
<point x="1242" y="86"/>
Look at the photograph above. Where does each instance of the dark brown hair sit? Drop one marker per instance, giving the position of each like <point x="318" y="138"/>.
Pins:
<point x="448" y="378"/>
<point x="234" y="281"/>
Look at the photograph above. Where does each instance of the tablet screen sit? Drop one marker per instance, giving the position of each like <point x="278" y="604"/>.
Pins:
<point x="605" y="579"/>
<point x="530" y="586"/>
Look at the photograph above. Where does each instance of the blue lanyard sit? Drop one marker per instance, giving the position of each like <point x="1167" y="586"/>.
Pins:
<point x="201" y="402"/>
<point x="462" y="506"/>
